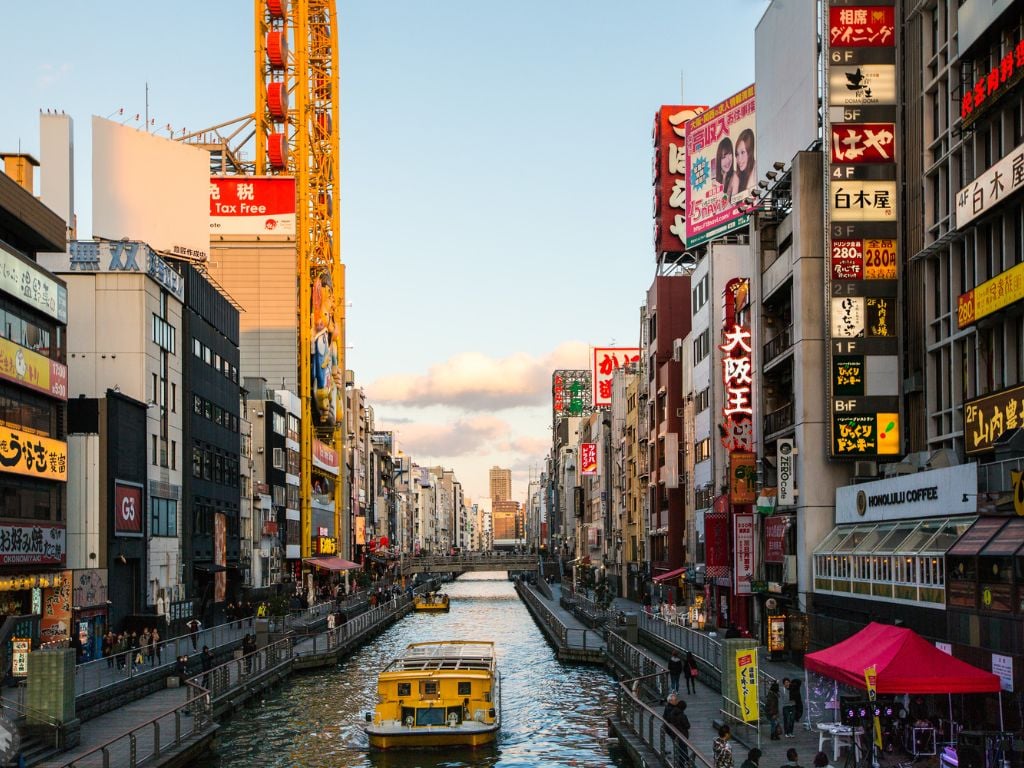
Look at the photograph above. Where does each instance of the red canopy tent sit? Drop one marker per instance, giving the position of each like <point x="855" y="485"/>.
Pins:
<point x="905" y="663"/>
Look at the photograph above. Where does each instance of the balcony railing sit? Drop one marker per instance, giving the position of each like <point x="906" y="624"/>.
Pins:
<point x="782" y="341"/>
<point x="779" y="419"/>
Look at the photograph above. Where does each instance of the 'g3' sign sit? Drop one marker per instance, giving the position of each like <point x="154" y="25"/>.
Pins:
<point x="127" y="509"/>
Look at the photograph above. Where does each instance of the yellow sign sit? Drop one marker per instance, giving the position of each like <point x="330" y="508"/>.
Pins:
<point x="746" y="684"/>
<point x="986" y="418"/>
<point x="871" y="679"/>
<point x="326" y="545"/>
<point x="31" y="369"/>
<point x="1001" y="291"/>
<point x="27" y="454"/>
<point x="880" y="259"/>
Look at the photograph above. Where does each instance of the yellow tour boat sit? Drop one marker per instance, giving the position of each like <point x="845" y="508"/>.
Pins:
<point x="438" y="694"/>
<point x="431" y="601"/>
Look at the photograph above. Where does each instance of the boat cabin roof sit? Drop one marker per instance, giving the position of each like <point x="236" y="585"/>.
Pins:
<point x="453" y="654"/>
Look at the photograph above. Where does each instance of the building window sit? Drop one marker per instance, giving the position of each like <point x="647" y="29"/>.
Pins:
<point x="197" y="348"/>
<point x="154" y="450"/>
<point x="197" y="405"/>
<point x="174" y="398"/>
<point x="279" y="461"/>
<point x="174" y="454"/>
<point x="197" y="461"/>
<point x="278" y="424"/>
<point x="206" y="354"/>
<point x="164" y="517"/>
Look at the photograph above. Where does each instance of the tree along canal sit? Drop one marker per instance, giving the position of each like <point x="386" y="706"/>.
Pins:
<point x="553" y="714"/>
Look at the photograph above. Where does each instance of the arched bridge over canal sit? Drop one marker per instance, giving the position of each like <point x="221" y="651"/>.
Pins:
<point x="486" y="561"/>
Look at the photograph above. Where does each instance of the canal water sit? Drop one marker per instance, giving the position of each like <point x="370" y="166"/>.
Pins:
<point x="553" y="714"/>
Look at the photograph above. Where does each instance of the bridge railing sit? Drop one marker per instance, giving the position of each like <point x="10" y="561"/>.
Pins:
<point x="312" y="644"/>
<point x="225" y="677"/>
<point x="474" y="562"/>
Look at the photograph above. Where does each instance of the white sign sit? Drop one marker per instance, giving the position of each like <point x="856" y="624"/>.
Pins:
<point x="991" y="188"/>
<point x="786" y="470"/>
<point x="935" y="493"/>
<point x="33" y="286"/>
<point x="944" y="647"/>
<point x="1002" y="667"/>
<point x="862" y="84"/>
<point x="862" y="200"/>
<point x="252" y="205"/>
<point x="743" y="541"/>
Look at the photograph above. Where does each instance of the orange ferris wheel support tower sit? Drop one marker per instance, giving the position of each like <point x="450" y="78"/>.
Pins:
<point x="296" y="133"/>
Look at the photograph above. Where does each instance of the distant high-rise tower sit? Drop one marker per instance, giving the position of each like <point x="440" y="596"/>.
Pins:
<point x="501" y="484"/>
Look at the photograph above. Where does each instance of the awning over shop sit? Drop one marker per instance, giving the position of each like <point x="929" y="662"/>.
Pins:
<point x="905" y="663"/>
<point x="975" y="539"/>
<point x="332" y="563"/>
<point x="930" y="536"/>
<point x="1007" y="539"/>
<point x="663" y="577"/>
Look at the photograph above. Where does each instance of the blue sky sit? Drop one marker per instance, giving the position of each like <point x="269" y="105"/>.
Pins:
<point x="496" y="176"/>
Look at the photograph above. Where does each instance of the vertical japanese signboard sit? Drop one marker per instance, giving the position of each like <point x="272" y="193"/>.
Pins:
<point x="744" y="559"/>
<point x="746" y="684"/>
<point x="861" y="234"/>
<point x="670" y="177"/>
<point x="606" y="360"/>
<point x="570" y="394"/>
<point x="588" y="458"/>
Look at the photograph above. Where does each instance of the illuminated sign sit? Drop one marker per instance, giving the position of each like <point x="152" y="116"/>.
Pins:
<point x="871" y="259"/>
<point x="776" y="633"/>
<point x="861" y="26"/>
<point x="325" y="371"/>
<point x="990" y="188"/>
<point x="606" y="360"/>
<point x="785" y="471"/>
<point x="775" y="538"/>
<point x="670" y="177"/>
<point x="41" y="544"/>
<point x="326" y="545"/>
<point x="863" y="142"/>
<point x="866" y="434"/>
<point x="863" y="200"/>
<point x="721" y="167"/>
<point x="986" y="418"/>
<point x="26" y="454"/>
<point x="20" y="647"/>
<point x="570" y="394"/>
<point x="744" y="558"/>
<point x="30" y="369"/>
<point x="128" y="509"/>
<point x="588" y="458"/>
<point x="252" y="205"/>
<point x="848" y="375"/>
<point x="30" y="284"/>
<point x="862" y="85"/>
<point x="738" y="409"/>
<point x="991" y="296"/>
<point x="991" y="84"/>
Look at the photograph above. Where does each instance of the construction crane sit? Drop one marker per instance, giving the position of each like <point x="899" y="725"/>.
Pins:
<point x="294" y="132"/>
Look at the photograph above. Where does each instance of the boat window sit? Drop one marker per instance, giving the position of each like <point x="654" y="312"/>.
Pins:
<point x="428" y="687"/>
<point x="430" y="716"/>
<point x="405" y="689"/>
<point x="465" y="688"/>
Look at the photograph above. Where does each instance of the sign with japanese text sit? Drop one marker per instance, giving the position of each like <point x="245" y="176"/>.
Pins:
<point x="862" y="85"/>
<point x="744" y="552"/>
<point x="742" y="477"/>
<point x="26" y="454"/>
<point x="606" y="360"/>
<point x="871" y="680"/>
<point x="570" y="394"/>
<point x="29" y="283"/>
<point x="90" y="588"/>
<point x="30" y="369"/>
<point x="128" y="509"/>
<point x="670" y="177"/>
<point x="325" y="457"/>
<point x="866" y="434"/>
<point x="746" y="684"/>
<point x="998" y="293"/>
<point x="716" y="540"/>
<point x="863" y="142"/>
<point x="863" y="200"/>
<point x="991" y="84"/>
<point x="326" y="545"/>
<point x="775" y="538"/>
<point x="120" y="256"/>
<point x="41" y="544"/>
<point x="252" y="205"/>
<point x="861" y="26"/>
<point x="55" y="624"/>
<point x="21" y="647"/>
<point x="861" y="230"/>
<point x="721" y="167"/>
<point x="588" y="458"/>
<point x="738" y="408"/>
<point x="360" y="521"/>
<point x="986" y="418"/>
<point x="990" y="188"/>
<point x="785" y="471"/>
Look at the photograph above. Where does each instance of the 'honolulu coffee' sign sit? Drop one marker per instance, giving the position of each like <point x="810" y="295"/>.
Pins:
<point x="941" y="492"/>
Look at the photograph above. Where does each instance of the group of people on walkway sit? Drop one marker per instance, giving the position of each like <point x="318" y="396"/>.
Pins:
<point x="791" y="712"/>
<point x="683" y="668"/>
<point x="722" y="750"/>
<point x="131" y="650"/>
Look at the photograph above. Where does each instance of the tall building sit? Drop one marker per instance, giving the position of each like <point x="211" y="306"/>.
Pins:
<point x="500" y="484"/>
<point x="35" y="536"/>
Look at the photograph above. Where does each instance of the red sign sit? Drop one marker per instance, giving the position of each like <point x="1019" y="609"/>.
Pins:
<point x="252" y="205"/>
<point x="716" y="544"/>
<point x="738" y="409"/>
<point x="989" y="86"/>
<point x="670" y="177"/>
<point x="128" y="509"/>
<point x="775" y="538"/>
<point x="588" y="458"/>
<point x="861" y="27"/>
<point x="606" y="360"/>
<point x="325" y="457"/>
<point x="863" y="142"/>
<point x="847" y="259"/>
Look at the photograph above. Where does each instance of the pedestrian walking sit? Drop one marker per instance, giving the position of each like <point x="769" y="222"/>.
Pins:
<point x="794" y="709"/>
<point x="194" y="625"/>
<point x="108" y="648"/>
<point x="771" y="710"/>
<point x="154" y="644"/>
<point x="690" y="668"/>
<point x="675" y="669"/>
<point x="207" y="661"/>
<point x="753" y="759"/>
<point x="121" y="651"/>
<point x="722" y="749"/>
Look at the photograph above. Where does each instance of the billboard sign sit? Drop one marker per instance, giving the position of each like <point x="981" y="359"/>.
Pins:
<point x="606" y="360"/>
<point x="990" y="188"/>
<point x="721" y="167"/>
<point x="23" y="453"/>
<point x="670" y="177"/>
<point x="32" y="370"/>
<point x="744" y="563"/>
<point x="987" y="417"/>
<point x="588" y="458"/>
<point x="326" y="371"/>
<point x="128" y="509"/>
<point x="30" y="284"/>
<point x="785" y="468"/>
<point x="41" y="544"/>
<point x="570" y="394"/>
<point x="252" y="205"/>
<point x="861" y="26"/>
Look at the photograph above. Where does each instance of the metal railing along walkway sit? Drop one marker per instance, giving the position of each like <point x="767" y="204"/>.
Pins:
<point x="227" y="677"/>
<point x="647" y="724"/>
<point x="568" y="637"/>
<point x="321" y="642"/>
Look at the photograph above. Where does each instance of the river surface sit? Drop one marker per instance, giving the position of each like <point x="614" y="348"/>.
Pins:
<point x="553" y="714"/>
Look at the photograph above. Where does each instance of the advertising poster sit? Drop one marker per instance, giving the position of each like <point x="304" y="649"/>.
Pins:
<point x="55" y="624"/>
<point x="776" y="633"/>
<point x="746" y="684"/>
<point x="721" y="167"/>
<point x="670" y="177"/>
<point x="743" y="544"/>
<point x="716" y="543"/>
<point x="127" y="509"/>
<point x="328" y="377"/>
<point x="252" y="205"/>
<point x="588" y="458"/>
<point x="606" y="360"/>
<point x="220" y="556"/>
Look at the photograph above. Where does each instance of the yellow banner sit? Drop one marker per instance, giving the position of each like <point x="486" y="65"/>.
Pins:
<point x="26" y="454"/>
<point x="870" y="678"/>
<point x="746" y="684"/>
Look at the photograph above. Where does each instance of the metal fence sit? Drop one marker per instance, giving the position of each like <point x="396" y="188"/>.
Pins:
<point x="320" y="642"/>
<point x="646" y="724"/>
<point x="224" y="678"/>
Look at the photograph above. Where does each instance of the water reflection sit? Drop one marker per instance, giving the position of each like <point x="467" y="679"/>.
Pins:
<point x="552" y="714"/>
